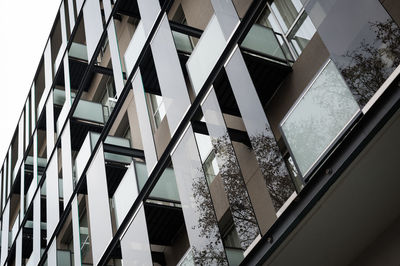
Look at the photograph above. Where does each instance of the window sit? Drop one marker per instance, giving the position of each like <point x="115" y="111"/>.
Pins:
<point x="158" y="109"/>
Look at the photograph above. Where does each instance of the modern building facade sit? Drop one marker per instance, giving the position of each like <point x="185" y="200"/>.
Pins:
<point x="212" y="132"/>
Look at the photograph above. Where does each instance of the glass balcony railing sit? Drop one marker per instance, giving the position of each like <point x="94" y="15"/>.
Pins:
<point x="165" y="189"/>
<point x="234" y="255"/>
<point x="183" y="42"/>
<point x="87" y="148"/>
<point x="318" y="118"/>
<point x="122" y="142"/>
<point x="89" y="111"/>
<point x="78" y="51"/>
<point x="263" y="40"/>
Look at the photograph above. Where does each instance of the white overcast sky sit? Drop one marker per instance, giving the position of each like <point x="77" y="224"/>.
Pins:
<point x="24" y="28"/>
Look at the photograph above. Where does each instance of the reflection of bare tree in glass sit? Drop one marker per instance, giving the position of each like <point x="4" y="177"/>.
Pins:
<point x="273" y="167"/>
<point x="372" y="63"/>
<point x="235" y="188"/>
<point x="206" y="227"/>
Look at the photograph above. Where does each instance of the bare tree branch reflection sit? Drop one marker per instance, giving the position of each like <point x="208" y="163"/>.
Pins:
<point x="371" y="63"/>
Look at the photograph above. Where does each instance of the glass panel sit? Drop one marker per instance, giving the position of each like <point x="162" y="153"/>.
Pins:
<point x="52" y="254"/>
<point x="18" y="252"/>
<point x="270" y="161"/>
<point x="134" y="48"/>
<point x="4" y="233"/>
<point x="301" y="34"/>
<point x="170" y="76"/>
<point x="99" y="208"/>
<point x="240" y="206"/>
<point x="364" y="52"/>
<point x="125" y="194"/>
<point x="263" y="40"/>
<point x="318" y="117"/>
<point x="66" y="156"/>
<point x="93" y="25"/>
<point x="76" y="231"/>
<point x="116" y="61"/>
<point x="89" y="111"/>
<point x="36" y="230"/>
<point x="149" y="10"/>
<point x="78" y="51"/>
<point x="135" y="245"/>
<point x="144" y="122"/>
<point x="52" y="204"/>
<point x="197" y="206"/>
<point x="206" y="54"/>
<point x="165" y="189"/>
<point x="50" y="125"/>
<point x="183" y="42"/>
<point x="286" y="11"/>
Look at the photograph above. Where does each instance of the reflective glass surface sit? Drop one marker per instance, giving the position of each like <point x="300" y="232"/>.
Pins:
<point x="263" y="142"/>
<point x="52" y="197"/>
<point x="170" y="76"/>
<point x="135" y="245"/>
<point x="318" y="117"/>
<point x="205" y="54"/>
<point x="234" y="185"/>
<point x="197" y="206"/>
<point x="364" y="42"/>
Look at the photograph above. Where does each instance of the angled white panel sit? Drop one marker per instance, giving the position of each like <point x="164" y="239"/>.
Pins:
<point x="99" y="208"/>
<point x="115" y="59"/>
<point x="35" y="257"/>
<point x="149" y="10"/>
<point x="144" y="122"/>
<point x="52" y="197"/>
<point x="66" y="161"/>
<point x="170" y="76"/>
<point x="18" y="250"/>
<point x="93" y="25"/>
<point x="50" y="125"/>
<point x="4" y="233"/>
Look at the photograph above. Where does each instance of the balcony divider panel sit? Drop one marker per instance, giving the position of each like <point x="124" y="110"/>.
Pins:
<point x="66" y="157"/>
<point x="52" y="253"/>
<point x="135" y="244"/>
<point x="18" y="249"/>
<point x="270" y="161"/>
<point x="28" y="131"/>
<point x="170" y="77"/>
<point x="149" y="10"/>
<point x="4" y="233"/>
<point x="134" y="48"/>
<point x="146" y="133"/>
<point x="49" y="125"/>
<point x="99" y="207"/>
<point x="75" y="231"/>
<point x="93" y="25"/>
<point x="52" y="196"/>
<point x="240" y="205"/>
<point x="197" y="206"/>
<point x="71" y="12"/>
<point x="115" y="59"/>
<point x="36" y="254"/>
<point x="20" y="141"/>
<point x="22" y="194"/>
